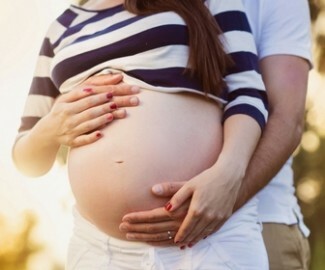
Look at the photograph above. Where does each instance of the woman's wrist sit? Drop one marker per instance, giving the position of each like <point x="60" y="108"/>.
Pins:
<point x="44" y="134"/>
<point x="234" y="167"/>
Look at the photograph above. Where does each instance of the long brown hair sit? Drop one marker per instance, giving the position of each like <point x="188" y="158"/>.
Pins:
<point x="207" y="58"/>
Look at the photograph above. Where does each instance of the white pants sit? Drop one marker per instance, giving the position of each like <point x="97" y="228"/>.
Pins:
<point x="238" y="245"/>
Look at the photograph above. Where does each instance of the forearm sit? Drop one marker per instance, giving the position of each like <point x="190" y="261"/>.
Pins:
<point x="280" y="138"/>
<point x="241" y="134"/>
<point x="35" y="152"/>
<point x="286" y="79"/>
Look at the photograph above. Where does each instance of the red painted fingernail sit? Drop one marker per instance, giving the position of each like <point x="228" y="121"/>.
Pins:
<point x="205" y="237"/>
<point x="182" y="247"/>
<point x="110" y="117"/>
<point x="109" y="95"/>
<point x="98" y="135"/>
<point x="190" y="245"/>
<point x="168" y="206"/>
<point x="88" y="90"/>
<point x="113" y="106"/>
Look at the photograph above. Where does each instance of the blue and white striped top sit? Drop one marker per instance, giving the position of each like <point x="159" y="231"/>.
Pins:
<point x="151" y="51"/>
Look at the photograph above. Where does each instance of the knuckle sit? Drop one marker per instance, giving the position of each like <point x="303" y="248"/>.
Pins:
<point x="151" y="217"/>
<point x="158" y="237"/>
<point x="220" y="216"/>
<point x="90" y="102"/>
<point x="177" y="214"/>
<point x="171" y="187"/>
<point x="98" y="111"/>
<point x="173" y="215"/>
<point x="69" y="125"/>
<point x="197" y="213"/>
<point x="87" y="115"/>
<point x="148" y="228"/>
<point x="113" y="89"/>
<point x="209" y="217"/>
<point x="71" y="142"/>
<point x="89" y="125"/>
<point x="175" y="226"/>
<point x="64" y="111"/>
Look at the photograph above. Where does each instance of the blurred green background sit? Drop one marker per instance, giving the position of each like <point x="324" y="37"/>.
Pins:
<point x="19" y="246"/>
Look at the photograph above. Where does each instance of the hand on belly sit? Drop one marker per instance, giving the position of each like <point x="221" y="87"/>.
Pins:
<point x="164" y="139"/>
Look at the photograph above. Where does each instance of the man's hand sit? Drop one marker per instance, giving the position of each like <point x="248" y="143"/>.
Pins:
<point x="204" y="211"/>
<point x="152" y="226"/>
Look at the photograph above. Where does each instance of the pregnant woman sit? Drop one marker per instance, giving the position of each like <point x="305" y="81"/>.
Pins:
<point x="192" y="79"/>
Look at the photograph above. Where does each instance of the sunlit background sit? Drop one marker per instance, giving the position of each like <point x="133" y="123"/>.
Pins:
<point x="35" y="218"/>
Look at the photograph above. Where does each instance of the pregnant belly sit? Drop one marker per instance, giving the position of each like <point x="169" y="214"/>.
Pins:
<point x="168" y="137"/>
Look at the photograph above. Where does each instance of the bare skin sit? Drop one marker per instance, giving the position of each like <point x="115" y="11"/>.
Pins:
<point x="114" y="175"/>
<point x="75" y="119"/>
<point x="285" y="78"/>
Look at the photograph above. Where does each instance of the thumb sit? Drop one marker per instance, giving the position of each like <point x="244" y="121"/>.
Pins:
<point x="167" y="189"/>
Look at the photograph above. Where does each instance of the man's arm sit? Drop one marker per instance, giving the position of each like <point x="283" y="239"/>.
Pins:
<point x="286" y="79"/>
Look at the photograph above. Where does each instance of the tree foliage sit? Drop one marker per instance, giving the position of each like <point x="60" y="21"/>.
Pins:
<point x="17" y="245"/>
<point x="309" y="163"/>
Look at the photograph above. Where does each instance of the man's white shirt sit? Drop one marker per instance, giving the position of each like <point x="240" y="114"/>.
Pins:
<point x="280" y="27"/>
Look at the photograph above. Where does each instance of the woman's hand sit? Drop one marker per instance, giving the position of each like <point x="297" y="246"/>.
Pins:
<point x="123" y="94"/>
<point x="213" y="194"/>
<point x="74" y="119"/>
<point x="77" y="117"/>
<point x="214" y="191"/>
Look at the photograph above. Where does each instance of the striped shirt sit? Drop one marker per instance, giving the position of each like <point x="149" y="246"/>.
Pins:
<point x="151" y="51"/>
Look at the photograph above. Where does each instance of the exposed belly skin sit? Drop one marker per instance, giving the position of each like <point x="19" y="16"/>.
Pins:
<point x="168" y="137"/>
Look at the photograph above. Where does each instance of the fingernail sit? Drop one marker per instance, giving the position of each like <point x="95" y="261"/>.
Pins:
<point x="135" y="89"/>
<point x="205" y="237"/>
<point x="120" y="113"/>
<point x="182" y="247"/>
<point x="106" y="72"/>
<point x="88" y="90"/>
<point x="110" y="117"/>
<point x="168" y="206"/>
<point x="123" y="227"/>
<point x="126" y="219"/>
<point x="109" y="95"/>
<point x="134" y="101"/>
<point x="98" y="135"/>
<point x="113" y="106"/>
<point x="190" y="245"/>
<point x="157" y="189"/>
